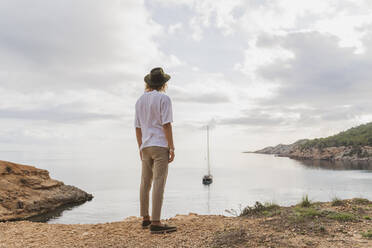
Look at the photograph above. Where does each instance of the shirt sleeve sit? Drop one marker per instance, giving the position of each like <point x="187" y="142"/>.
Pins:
<point x="137" y="123"/>
<point x="166" y="110"/>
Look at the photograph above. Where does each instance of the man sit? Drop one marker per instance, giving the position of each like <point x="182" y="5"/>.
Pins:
<point x="153" y="120"/>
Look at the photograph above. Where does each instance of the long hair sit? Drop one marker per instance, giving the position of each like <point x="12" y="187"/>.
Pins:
<point x="161" y="88"/>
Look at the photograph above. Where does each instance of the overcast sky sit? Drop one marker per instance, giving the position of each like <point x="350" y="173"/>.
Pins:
<point x="261" y="72"/>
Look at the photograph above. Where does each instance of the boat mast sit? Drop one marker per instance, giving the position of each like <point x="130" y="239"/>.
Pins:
<point x="209" y="169"/>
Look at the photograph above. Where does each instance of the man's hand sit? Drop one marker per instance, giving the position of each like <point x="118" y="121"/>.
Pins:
<point x="139" y="140"/>
<point x="171" y="155"/>
<point x="167" y="128"/>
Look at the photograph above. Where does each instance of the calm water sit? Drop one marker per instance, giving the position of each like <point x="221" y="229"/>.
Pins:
<point x="240" y="179"/>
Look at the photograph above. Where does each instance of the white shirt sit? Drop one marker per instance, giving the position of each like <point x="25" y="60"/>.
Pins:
<point x="153" y="110"/>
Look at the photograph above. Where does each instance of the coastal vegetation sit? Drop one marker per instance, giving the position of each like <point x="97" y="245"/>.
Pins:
<point x="367" y="234"/>
<point x="318" y="220"/>
<point x="337" y="202"/>
<point x="356" y="137"/>
<point x="305" y="202"/>
<point x="266" y="209"/>
<point x="306" y="209"/>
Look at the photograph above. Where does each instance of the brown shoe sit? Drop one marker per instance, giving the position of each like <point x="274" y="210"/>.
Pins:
<point x="156" y="229"/>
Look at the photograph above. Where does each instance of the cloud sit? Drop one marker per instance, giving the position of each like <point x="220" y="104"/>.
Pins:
<point x="197" y="31"/>
<point x="295" y="117"/>
<point x="61" y="114"/>
<point x="320" y="69"/>
<point x="204" y="98"/>
<point x="75" y="44"/>
<point x="175" y="28"/>
<point x="253" y="120"/>
<point x="321" y="83"/>
<point x="261" y="53"/>
<point x="340" y="18"/>
<point x="217" y="13"/>
<point x="199" y="87"/>
<point x="280" y="65"/>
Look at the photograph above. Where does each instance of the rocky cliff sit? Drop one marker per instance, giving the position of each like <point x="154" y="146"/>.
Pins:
<point x="27" y="191"/>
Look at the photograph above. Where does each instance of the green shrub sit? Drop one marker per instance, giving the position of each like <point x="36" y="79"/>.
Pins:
<point x="342" y="216"/>
<point x="267" y="209"/>
<point x="322" y="229"/>
<point x="337" y="202"/>
<point x="305" y="202"/>
<point x="367" y="234"/>
<point x="307" y="212"/>
<point x="361" y="201"/>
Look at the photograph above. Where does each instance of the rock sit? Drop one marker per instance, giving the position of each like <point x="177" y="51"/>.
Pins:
<point x="26" y="191"/>
<point x="282" y="150"/>
<point x="341" y="153"/>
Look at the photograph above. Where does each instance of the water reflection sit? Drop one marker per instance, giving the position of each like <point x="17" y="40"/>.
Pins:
<point x="208" y="198"/>
<point x="54" y="214"/>
<point x="337" y="165"/>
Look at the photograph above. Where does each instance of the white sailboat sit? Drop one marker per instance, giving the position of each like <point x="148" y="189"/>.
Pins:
<point x="208" y="179"/>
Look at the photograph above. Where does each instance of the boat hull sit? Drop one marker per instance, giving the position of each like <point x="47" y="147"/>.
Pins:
<point x="207" y="180"/>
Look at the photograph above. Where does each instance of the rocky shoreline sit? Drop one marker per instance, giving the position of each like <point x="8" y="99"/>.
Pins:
<point x="342" y="153"/>
<point x="361" y="154"/>
<point x="352" y="146"/>
<point x="340" y="223"/>
<point x="26" y="191"/>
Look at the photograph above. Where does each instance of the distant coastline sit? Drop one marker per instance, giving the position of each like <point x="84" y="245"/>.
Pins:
<point x="353" y="145"/>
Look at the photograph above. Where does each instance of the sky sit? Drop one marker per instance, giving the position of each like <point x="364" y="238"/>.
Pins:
<point x="260" y="72"/>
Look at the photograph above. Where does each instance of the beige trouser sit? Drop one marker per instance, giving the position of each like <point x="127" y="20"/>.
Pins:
<point x="154" y="168"/>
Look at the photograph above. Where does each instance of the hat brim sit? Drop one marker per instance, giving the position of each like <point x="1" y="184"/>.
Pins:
<point x="151" y="83"/>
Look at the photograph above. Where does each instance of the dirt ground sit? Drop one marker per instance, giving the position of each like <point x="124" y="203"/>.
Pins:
<point x="345" y="223"/>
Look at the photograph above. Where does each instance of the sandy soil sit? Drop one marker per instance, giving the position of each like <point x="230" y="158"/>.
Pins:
<point x="320" y="225"/>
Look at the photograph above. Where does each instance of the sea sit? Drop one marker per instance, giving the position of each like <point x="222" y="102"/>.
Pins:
<point x="240" y="179"/>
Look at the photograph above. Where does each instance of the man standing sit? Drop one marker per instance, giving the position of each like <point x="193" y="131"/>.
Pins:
<point x="155" y="141"/>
